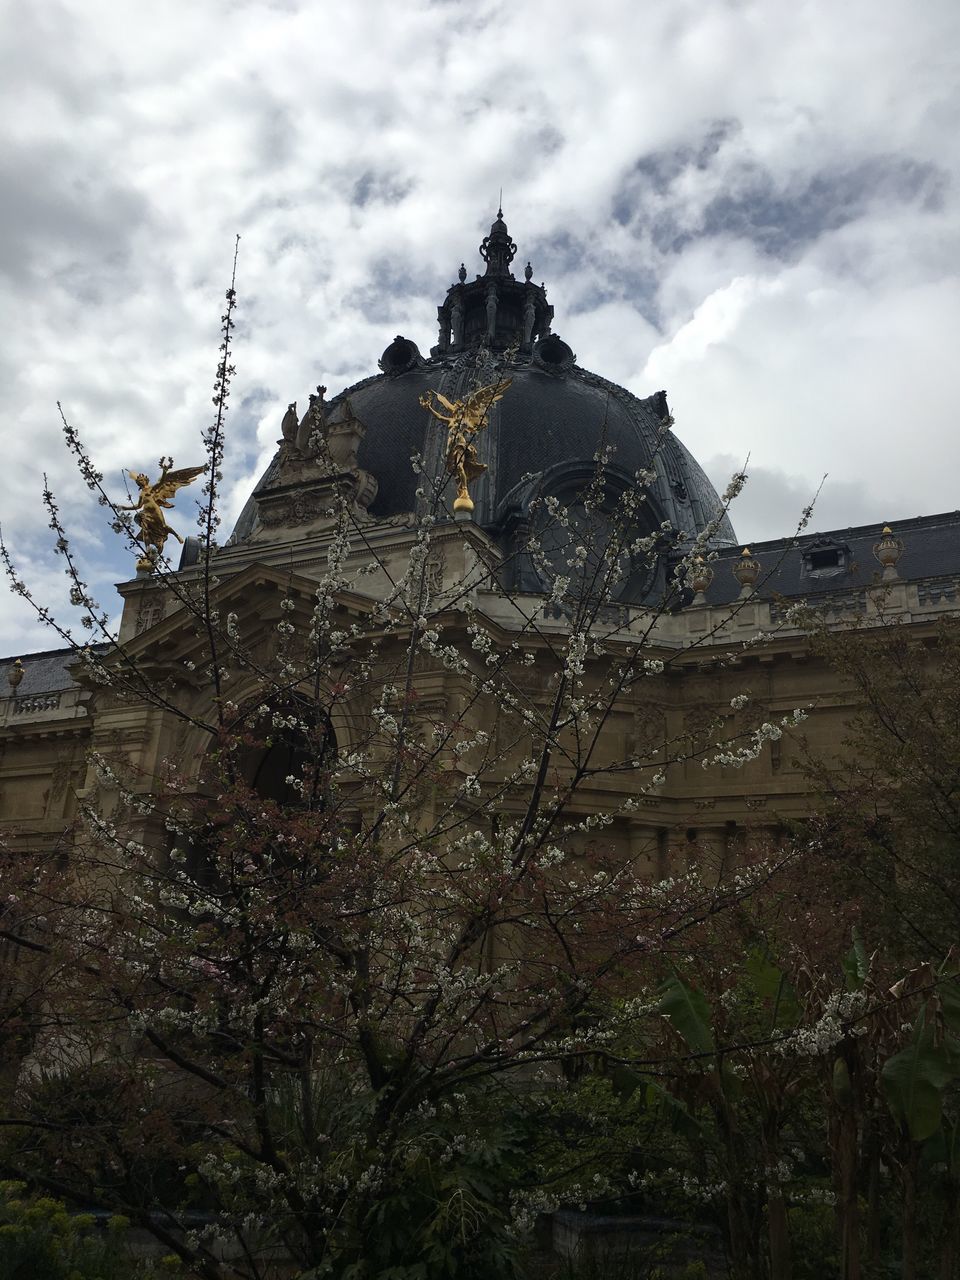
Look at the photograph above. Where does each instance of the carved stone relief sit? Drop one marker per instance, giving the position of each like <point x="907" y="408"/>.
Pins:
<point x="148" y="615"/>
<point x="434" y="572"/>
<point x="647" y="737"/>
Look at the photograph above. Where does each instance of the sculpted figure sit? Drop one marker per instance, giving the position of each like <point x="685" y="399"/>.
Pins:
<point x="313" y="420"/>
<point x="491" y="312"/>
<point x="456" y="322"/>
<point x="151" y="503"/>
<point x="464" y="419"/>
<point x="529" y="316"/>
<point x="289" y="425"/>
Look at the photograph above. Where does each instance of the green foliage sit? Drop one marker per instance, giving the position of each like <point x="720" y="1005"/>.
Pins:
<point x="915" y="1078"/>
<point x="856" y="964"/>
<point x="772" y="988"/>
<point x="439" y="1208"/>
<point x="842" y="1084"/>
<point x="689" y="1012"/>
<point x="948" y="994"/>
<point x="813" y="1234"/>
<point x="40" y="1240"/>
<point x="942" y="1151"/>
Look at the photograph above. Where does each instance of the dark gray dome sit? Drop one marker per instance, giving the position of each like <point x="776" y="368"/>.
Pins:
<point x="544" y="433"/>
<point x="546" y="424"/>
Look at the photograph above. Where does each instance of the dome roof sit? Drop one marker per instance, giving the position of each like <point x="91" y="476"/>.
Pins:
<point x="542" y="435"/>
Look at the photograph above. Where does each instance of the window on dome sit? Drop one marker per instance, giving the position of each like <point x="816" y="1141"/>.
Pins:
<point x="586" y="553"/>
<point x="824" y="559"/>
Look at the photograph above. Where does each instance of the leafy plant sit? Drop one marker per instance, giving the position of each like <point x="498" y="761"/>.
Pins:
<point x="40" y="1240"/>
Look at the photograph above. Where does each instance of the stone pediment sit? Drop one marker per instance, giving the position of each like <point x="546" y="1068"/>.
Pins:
<point x="253" y="595"/>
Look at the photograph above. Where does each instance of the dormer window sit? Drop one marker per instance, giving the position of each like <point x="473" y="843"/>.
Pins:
<point x="825" y="559"/>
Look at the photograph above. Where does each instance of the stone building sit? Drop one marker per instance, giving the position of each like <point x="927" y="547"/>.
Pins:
<point x="540" y="440"/>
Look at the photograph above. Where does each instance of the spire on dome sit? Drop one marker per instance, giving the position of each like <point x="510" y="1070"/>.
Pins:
<point x="497" y="249"/>
<point x="495" y="310"/>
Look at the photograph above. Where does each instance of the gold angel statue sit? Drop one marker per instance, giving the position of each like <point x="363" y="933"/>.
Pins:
<point x="464" y="418"/>
<point x="151" y="502"/>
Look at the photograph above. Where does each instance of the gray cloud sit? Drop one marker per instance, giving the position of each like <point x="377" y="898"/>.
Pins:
<point x="783" y="222"/>
<point x="772" y="502"/>
<point x="780" y="211"/>
<point x="55" y="212"/>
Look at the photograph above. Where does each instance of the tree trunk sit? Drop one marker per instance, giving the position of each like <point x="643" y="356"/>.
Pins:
<point x="848" y="1205"/>
<point x="950" y="1236"/>
<point x="950" y="1239"/>
<point x="779" y="1233"/>
<point x="744" y="1262"/>
<point x="778" y="1225"/>
<point x="871" y="1143"/>
<point x="742" y="1254"/>
<point x="910" y="1163"/>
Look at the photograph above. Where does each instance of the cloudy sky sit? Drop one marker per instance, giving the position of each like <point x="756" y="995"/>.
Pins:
<point x="753" y="205"/>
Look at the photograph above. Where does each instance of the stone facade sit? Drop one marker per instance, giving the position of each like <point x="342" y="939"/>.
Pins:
<point x="729" y="631"/>
<point x="49" y="720"/>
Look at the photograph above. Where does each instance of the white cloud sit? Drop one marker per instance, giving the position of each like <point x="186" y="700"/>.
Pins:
<point x="752" y="205"/>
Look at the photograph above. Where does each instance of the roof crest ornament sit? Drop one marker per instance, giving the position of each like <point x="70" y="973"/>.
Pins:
<point x="497" y="249"/>
<point x="495" y="309"/>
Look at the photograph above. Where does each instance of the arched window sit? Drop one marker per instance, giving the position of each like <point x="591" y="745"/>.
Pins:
<point x="294" y="766"/>
<point x="290" y="762"/>
<point x="594" y="543"/>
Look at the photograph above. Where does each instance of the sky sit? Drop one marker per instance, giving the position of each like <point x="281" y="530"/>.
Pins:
<point x="752" y="205"/>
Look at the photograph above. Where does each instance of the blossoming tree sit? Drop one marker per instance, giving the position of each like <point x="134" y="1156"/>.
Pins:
<point x="384" y="873"/>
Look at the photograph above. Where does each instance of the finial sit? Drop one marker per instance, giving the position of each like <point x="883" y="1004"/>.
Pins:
<point x="462" y="273"/>
<point x="700" y="577"/>
<point x="746" y="570"/>
<point x="15" y="674"/>
<point x="500" y="204"/>
<point x="497" y="249"/>
<point x="528" y="273"/>
<point x="888" y="552"/>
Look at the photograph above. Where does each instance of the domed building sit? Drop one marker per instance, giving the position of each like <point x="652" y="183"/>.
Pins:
<point x="541" y="439"/>
<point x="401" y="802"/>
<point x="392" y="452"/>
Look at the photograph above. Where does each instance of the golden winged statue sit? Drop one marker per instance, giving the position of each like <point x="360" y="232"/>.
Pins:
<point x="151" y="502"/>
<point x="464" y="419"/>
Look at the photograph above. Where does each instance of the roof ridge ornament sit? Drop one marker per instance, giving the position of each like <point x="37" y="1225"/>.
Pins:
<point x="497" y="249"/>
<point x="495" y="309"/>
<point x="888" y="552"/>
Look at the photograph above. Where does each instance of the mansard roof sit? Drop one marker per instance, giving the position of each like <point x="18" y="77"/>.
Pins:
<point x="836" y="562"/>
<point x="44" y="672"/>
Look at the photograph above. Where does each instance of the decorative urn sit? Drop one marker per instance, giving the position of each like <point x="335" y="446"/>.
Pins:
<point x="746" y="570"/>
